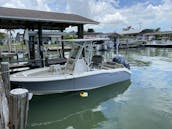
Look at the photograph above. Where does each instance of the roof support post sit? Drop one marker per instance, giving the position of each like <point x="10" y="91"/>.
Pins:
<point x="40" y="44"/>
<point x="62" y="37"/>
<point x="31" y="48"/>
<point x="80" y="31"/>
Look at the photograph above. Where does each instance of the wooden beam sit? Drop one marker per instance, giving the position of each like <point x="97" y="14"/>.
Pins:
<point x="40" y="44"/>
<point x="23" y="24"/>
<point x="80" y="31"/>
<point x="62" y="37"/>
<point x="31" y="48"/>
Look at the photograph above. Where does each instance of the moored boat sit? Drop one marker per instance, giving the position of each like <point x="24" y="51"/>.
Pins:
<point x="83" y="71"/>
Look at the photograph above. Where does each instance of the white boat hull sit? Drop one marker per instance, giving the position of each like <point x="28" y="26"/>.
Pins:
<point x="90" y="80"/>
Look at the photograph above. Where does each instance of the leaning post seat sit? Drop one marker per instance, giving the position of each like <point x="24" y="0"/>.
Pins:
<point x="97" y="60"/>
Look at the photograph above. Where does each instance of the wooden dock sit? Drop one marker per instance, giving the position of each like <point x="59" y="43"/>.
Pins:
<point x="7" y="54"/>
<point x="158" y="45"/>
<point x="19" y="65"/>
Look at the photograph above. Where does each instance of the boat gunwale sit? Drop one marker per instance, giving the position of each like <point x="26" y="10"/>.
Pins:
<point x="15" y="78"/>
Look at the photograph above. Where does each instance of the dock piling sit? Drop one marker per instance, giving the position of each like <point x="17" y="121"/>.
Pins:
<point x="4" y="112"/>
<point x="6" y="77"/>
<point x="18" y="108"/>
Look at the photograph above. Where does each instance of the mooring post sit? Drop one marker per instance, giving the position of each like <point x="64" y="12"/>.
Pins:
<point x="6" y="77"/>
<point x="0" y="53"/>
<point x="62" y="43"/>
<point x="41" y="47"/>
<point x="80" y="31"/>
<point x="2" y="121"/>
<point x="18" y="108"/>
<point x="4" y="112"/>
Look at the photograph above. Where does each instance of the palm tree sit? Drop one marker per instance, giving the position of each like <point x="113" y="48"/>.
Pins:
<point x="157" y="29"/>
<point x="128" y="28"/>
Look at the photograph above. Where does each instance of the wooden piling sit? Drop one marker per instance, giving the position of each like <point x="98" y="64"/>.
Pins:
<point x="6" y="77"/>
<point x="18" y="108"/>
<point x="4" y="112"/>
<point x="2" y="121"/>
<point x="0" y="53"/>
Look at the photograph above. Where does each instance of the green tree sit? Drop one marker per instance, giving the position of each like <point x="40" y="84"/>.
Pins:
<point x="157" y="29"/>
<point x="90" y="30"/>
<point x="148" y="31"/>
<point x="2" y="37"/>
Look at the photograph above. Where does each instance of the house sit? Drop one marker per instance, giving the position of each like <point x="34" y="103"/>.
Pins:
<point x="48" y="37"/>
<point x="158" y="35"/>
<point x="136" y="34"/>
<point x="95" y="35"/>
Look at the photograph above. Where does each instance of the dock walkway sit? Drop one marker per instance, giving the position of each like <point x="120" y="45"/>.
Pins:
<point x="158" y="45"/>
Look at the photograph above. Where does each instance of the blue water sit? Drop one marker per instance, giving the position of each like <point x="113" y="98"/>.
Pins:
<point x="145" y="102"/>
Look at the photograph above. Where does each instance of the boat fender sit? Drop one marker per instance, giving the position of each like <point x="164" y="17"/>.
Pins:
<point x="84" y="94"/>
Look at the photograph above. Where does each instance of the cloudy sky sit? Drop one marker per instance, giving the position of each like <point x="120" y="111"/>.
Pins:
<point x="113" y="15"/>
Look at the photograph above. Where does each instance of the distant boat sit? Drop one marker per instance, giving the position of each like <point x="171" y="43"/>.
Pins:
<point x="130" y="43"/>
<point x="104" y="46"/>
<point x="83" y="71"/>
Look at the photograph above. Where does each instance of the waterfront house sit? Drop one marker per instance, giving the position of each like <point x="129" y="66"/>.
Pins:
<point x="162" y="38"/>
<point x="95" y="35"/>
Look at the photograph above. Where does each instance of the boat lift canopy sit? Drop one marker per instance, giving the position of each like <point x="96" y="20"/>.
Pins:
<point x="11" y="18"/>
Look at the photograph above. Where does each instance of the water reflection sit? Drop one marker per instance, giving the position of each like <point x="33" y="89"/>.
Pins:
<point x="146" y="103"/>
<point x="69" y="110"/>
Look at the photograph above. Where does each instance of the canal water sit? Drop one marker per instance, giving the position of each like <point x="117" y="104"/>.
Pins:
<point x="145" y="102"/>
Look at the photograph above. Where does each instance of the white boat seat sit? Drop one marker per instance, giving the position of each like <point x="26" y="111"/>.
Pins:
<point x="55" y="68"/>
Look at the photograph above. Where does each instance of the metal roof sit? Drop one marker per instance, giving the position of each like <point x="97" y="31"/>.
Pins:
<point x="130" y="32"/>
<point x="20" y="18"/>
<point x="93" y="33"/>
<point x="158" y="33"/>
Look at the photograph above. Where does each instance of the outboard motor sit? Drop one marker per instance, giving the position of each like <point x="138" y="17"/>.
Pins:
<point x="121" y="60"/>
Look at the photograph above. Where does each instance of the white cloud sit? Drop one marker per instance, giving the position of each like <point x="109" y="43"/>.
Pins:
<point x="27" y="4"/>
<point x="81" y="7"/>
<point x="113" y="18"/>
<point x="107" y="12"/>
<point x="13" y="4"/>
